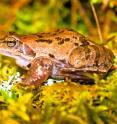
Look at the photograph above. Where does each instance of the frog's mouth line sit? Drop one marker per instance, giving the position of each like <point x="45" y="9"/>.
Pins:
<point x="20" y="60"/>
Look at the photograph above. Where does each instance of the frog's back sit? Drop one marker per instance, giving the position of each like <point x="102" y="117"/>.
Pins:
<point x="58" y="44"/>
<point x="73" y="48"/>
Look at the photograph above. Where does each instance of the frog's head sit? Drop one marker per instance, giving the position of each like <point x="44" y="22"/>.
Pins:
<point x="12" y="45"/>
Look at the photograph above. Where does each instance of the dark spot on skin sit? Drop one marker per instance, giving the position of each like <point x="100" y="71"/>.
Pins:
<point x="62" y="60"/>
<point x="46" y="66"/>
<point x="58" y="38"/>
<point x="29" y="65"/>
<point x="76" y="44"/>
<point x="51" y="55"/>
<point x="85" y="43"/>
<point x="43" y="41"/>
<point x="106" y="65"/>
<point x="74" y="37"/>
<point x="67" y="39"/>
<point x="97" y="56"/>
<point x="87" y="52"/>
<point x="67" y="52"/>
<point x="59" y="31"/>
<point x="11" y="33"/>
<point x="61" y="42"/>
<point x="82" y="39"/>
<point x="87" y="56"/>
<point x="49" y="41"/>
<point x="40" y="36"/>
<point x="53" y="34"/>
<point x="69" y="29"/>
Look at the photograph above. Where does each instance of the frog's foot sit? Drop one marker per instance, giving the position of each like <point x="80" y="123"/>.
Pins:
<point x="39" y="72"/>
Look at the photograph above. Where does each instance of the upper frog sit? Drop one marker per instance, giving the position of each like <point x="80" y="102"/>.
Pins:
<point x="58" y="54"/>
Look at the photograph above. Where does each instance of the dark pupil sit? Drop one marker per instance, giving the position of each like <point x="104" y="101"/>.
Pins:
<point x="11" y="43"/>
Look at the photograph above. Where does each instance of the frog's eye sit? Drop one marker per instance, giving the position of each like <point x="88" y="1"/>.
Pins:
<point x="11" y="41"/>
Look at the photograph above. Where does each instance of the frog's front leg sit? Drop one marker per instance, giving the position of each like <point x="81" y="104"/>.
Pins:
<point x="39" y="71"/>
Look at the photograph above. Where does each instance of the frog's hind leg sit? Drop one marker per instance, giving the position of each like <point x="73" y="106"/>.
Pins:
<point x="39" y="72"/>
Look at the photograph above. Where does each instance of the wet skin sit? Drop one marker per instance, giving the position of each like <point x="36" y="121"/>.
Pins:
<point x="60" y="54"/>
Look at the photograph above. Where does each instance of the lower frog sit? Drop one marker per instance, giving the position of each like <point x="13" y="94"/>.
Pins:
<point x="60" y="54"/>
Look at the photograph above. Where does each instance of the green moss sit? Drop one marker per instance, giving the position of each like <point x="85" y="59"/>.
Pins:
<point x="7" y="68"/>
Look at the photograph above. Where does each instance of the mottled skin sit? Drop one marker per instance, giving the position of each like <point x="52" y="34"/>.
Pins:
<point x="58" y="54"/>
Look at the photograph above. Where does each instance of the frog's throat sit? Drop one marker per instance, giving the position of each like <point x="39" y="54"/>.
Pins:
<point x="20" y="60"/>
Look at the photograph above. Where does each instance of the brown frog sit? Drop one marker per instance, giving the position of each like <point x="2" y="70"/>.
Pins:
<point x="60" y="54"/>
